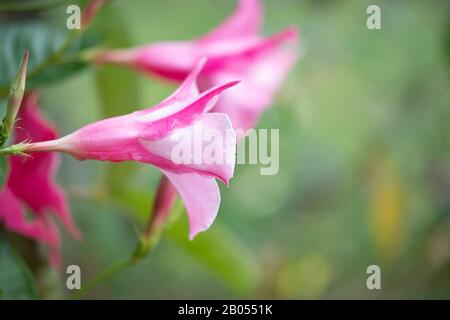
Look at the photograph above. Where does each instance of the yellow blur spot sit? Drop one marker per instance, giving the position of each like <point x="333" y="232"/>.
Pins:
<point x="386" y="208"/>
<point x="308" y="278"/>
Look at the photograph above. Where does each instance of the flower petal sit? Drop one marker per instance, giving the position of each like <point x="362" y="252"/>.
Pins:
<point x="32" y="180"/>
<point x="171" y="60"/>
<point x="201" y="198"/>
<point x="260" y="82"/>
<point x="13" y="217"/>
<point x="187" y="91"/>
<point x="208" y="147"/>
<point x="135" y="136"/>
<point x="158" y="122"/>
<point x="245" y="21"/>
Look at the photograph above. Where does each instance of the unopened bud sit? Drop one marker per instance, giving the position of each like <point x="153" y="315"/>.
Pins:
<point x="16" y="92"/>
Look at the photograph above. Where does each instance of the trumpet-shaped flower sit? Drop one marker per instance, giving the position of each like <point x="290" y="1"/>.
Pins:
<point x="31" y="184"/>
<point x="235" y="50"/>
<point x="154" y="136"/>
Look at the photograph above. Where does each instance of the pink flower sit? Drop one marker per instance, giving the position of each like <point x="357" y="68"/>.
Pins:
<point x="151" y="136"/>
<point x="235" y="50"/>
<point x="31" y="183"/>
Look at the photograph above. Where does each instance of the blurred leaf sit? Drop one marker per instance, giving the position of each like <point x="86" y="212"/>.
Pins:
<point x="138" y="202"/>
<point x="2" y="108"/>
<point x="46" y="62"/>
<point x="386" y="208"/>
<point x="16" y="279"/>
<point x="31" y="5"/>
<point x="118" y="90"/>
<point x="222" y="252"/>
<point x="3" y="171"/>
<point x="307" y="278"/>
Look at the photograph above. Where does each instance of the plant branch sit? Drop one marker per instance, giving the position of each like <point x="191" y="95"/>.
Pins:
<point x="102" y="276"/>
<point x="144" y="247"/>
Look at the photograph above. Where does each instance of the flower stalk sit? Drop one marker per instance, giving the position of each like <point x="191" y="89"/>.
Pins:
<point x="166" y="196"/>
<point x="148" y="241"/>
<point x="16" y="150"/>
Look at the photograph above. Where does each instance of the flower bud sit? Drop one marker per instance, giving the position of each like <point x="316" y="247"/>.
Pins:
<point x="16" y="92"/>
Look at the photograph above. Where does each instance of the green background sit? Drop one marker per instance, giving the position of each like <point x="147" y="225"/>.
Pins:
<point x="364" y="161"/>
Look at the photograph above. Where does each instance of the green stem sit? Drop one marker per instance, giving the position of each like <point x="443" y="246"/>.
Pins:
<point x="144" y="247"/>
<point x="102" y="276"/>
<point x="147" y="244"/>
<point x="15" y="149"/>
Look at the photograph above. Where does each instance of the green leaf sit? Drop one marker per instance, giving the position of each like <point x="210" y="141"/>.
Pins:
<point x="222" y="252"/>
<point x="32" y="5"/>
<point x="16" y="279"/>
<point x="47" y="62"/>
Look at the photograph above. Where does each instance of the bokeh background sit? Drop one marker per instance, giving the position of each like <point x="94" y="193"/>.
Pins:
<point x="364" y="161"/>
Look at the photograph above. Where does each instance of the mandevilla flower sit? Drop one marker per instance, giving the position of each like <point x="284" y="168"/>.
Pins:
<point x="235" y="50"/>
<point x="151" y="135"/>
<point x="31" y="182"/>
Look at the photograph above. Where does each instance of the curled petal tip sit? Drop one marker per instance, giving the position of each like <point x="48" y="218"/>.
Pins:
<point x="198" y="67"/>
<point x="231" y="84"/>
<point x="227" y="181"/>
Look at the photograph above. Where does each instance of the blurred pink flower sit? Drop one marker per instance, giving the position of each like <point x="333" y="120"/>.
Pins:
<point x="235" y="50"/>
<point x="150" y="136"/>
<point x="31" y="182"/>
